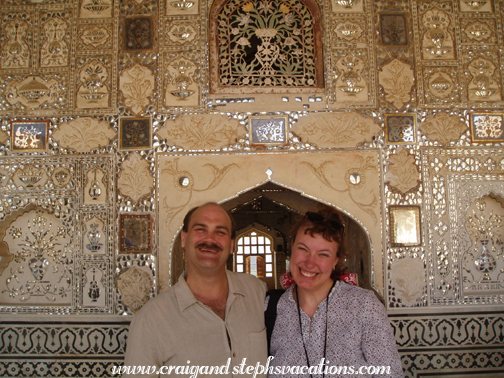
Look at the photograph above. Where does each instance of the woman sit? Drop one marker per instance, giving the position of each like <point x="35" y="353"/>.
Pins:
<point x="324" y="326"/>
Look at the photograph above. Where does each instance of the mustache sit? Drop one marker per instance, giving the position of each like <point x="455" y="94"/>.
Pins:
<point x="209" y="246"/>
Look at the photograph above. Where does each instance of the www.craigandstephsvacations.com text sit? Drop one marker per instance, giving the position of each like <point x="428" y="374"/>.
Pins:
<point x="193" y="371"/>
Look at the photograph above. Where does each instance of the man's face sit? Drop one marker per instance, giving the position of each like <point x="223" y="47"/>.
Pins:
<point x="207" y="242"/>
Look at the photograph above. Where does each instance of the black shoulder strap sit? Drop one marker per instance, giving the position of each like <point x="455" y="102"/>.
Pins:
<point x="271" y="312"/>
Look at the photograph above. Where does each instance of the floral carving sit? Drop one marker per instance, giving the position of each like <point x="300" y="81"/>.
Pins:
<point x="184" y="181"/>
<point x="135" y="285"/>
<point x="135" y="179"/>
<point x="3" y="137"/>
<point x="402" y="172"/>
<point x="337" y="129"/>
<point x="210" y="131"/>
<point x="84" y="134"/>
<point x="137" y="85"/>
<point x="397" y="79"/>
<point x="408" y="278"/>
<point x="355" y="178"/>
<point x="443" y="128"/>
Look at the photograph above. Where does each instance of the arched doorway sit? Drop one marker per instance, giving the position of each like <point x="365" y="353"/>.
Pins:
<point x="276" y="208"/>
<point x="273" y="209"/>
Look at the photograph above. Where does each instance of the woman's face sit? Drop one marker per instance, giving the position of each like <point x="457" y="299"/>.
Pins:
<point x="312" y="261"/>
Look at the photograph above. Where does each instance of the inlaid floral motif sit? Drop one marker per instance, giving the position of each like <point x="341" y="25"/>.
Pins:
<point x="397" y="79"/>
<point x="135" y="286"/>
<point x="443" y="128"/>
<point x="209" y="131"/>
<point x="135" y="179"/>
<point x="336" y="129"/>
<point x="282" y="36"/>
<point x="41" y="270"/>
<point x="137" y="86"/>
<point x="84" y="134"/>
<point x="403" y="173"/>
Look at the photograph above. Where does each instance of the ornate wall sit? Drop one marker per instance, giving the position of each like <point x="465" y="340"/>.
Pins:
<point x="117" y="117"/>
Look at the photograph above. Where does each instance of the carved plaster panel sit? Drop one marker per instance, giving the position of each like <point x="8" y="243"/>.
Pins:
<point x="408" y="277"/>
<point x="348" y="180"/>
<point x="182" y="32"/>
<point x="135" y="285"/>
<point x="484" y="84"/>
<point x="480" y="30"/>
<point x="336" y="129"/>
<point x="17" y="50"/>
<point x="437" y="30"/>
<point x="84" y="134"/>
<point x="443" y="128"/>
<point x="402" y="172"/>
<point x="92" y="36"/>
<point x="441" y="84"/>
<point x="94" y="85"/>
<point x="135" y="179"/>
<point x="348" y="6"/>
<point x="351" y="84"/>
<point x="476" y="5"/>
<point x="36" y="92"/>
<point x="349" y="30"/>
<point x="181" y="87"/>
<point x="3" y="137"/>
<point x="96" y="8"/>
<point x="455" y="180"/>
<point x="397" y="79"/>
<point x="55" y="39"/>
<point x="181" y="7"/>
<point x="202" y="131"/>
<point x="137" y="86"/>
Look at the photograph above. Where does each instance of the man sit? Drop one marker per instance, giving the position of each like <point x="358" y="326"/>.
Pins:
<point x="211" y="318"/>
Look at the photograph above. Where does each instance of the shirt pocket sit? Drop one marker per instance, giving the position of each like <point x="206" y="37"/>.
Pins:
<point x="258" y="348"/>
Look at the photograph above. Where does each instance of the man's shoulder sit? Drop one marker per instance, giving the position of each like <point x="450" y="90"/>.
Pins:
<point x="247" y="282"/>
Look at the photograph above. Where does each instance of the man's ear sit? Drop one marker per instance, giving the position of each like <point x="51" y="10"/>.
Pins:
<point x="231" y="250"/>
<point x="182" y="238"/>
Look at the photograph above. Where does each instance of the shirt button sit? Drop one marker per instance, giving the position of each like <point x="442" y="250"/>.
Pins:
<point x="234" y="354"/>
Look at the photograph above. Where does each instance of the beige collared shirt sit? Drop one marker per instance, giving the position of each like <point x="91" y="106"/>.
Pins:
<point x="176" y="330"/>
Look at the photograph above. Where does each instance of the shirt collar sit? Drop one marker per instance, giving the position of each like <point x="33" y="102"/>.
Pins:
<point x="185" y="297"/>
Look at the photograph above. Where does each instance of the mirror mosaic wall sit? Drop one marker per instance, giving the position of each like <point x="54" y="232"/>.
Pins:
<point x="117" y="117"/>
